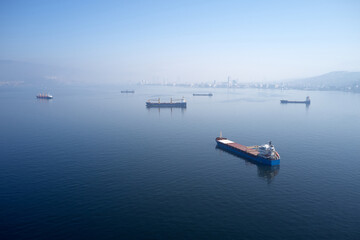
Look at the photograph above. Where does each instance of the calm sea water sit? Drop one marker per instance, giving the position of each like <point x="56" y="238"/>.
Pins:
<point x="97" y="164"/>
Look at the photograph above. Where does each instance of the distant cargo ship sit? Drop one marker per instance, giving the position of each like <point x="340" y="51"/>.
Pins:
<point x="179" y="103"/>
<point x="202" y="94"/>
<point x="264" y="154"/>
<point x="128" y="91"/>
<point x="44" y="96"/>
<point x="307" y="101"/>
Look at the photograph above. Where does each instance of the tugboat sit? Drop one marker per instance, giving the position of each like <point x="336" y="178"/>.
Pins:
<point x="44" y="96"/>
<point x="178" y="103"/>
<point x="264" y="154"/>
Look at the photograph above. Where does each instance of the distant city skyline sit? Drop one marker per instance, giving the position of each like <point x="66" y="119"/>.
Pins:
<point x="187" y="41"/>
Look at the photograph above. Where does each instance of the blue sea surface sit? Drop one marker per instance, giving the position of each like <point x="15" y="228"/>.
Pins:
<point x="95" y="163"/>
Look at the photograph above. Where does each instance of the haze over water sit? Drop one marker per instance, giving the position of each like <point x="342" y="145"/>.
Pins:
<point x="94" y="163"/>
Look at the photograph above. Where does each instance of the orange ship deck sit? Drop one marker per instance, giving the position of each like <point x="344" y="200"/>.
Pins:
<point x="244" y="148"/>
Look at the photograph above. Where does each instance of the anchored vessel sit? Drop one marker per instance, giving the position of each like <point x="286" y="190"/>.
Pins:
<point x="44" y="96"/>
<point x="128" y="91"/>
<point x="202" y="94"/>
<point x="307" y="101"/>
<point x="265" y="154"/>
<point x="180" y="103"/>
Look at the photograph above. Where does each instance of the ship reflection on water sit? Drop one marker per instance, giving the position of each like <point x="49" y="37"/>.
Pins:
<point x="266" y="172"/>
<point x="166" y="109"/>
<point x="43" y="100"/>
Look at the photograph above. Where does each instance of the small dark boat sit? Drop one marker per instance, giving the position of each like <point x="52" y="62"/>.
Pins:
<point x="307" y="101"/>
<point x="202" y="94"/>
<point x="44" y="96"/>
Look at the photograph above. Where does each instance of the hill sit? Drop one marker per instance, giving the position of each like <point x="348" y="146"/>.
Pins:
<point x="341" y="80"/>
<point x="15" y="73"/>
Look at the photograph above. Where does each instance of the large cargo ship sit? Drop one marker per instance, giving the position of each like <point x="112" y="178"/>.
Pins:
<point x="128" y="91"/>
<point x="178" y="103"/>
<point x="307" y="101"/>
<point x="202" y="94"/>
<point x="264" y="154"/>
<point x="44" y="96"/>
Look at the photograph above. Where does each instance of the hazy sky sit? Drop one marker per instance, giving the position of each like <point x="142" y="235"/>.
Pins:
<point x="184" y="40"/>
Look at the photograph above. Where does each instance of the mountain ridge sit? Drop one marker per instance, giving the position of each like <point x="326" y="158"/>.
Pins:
<point x="335" y="79"/>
